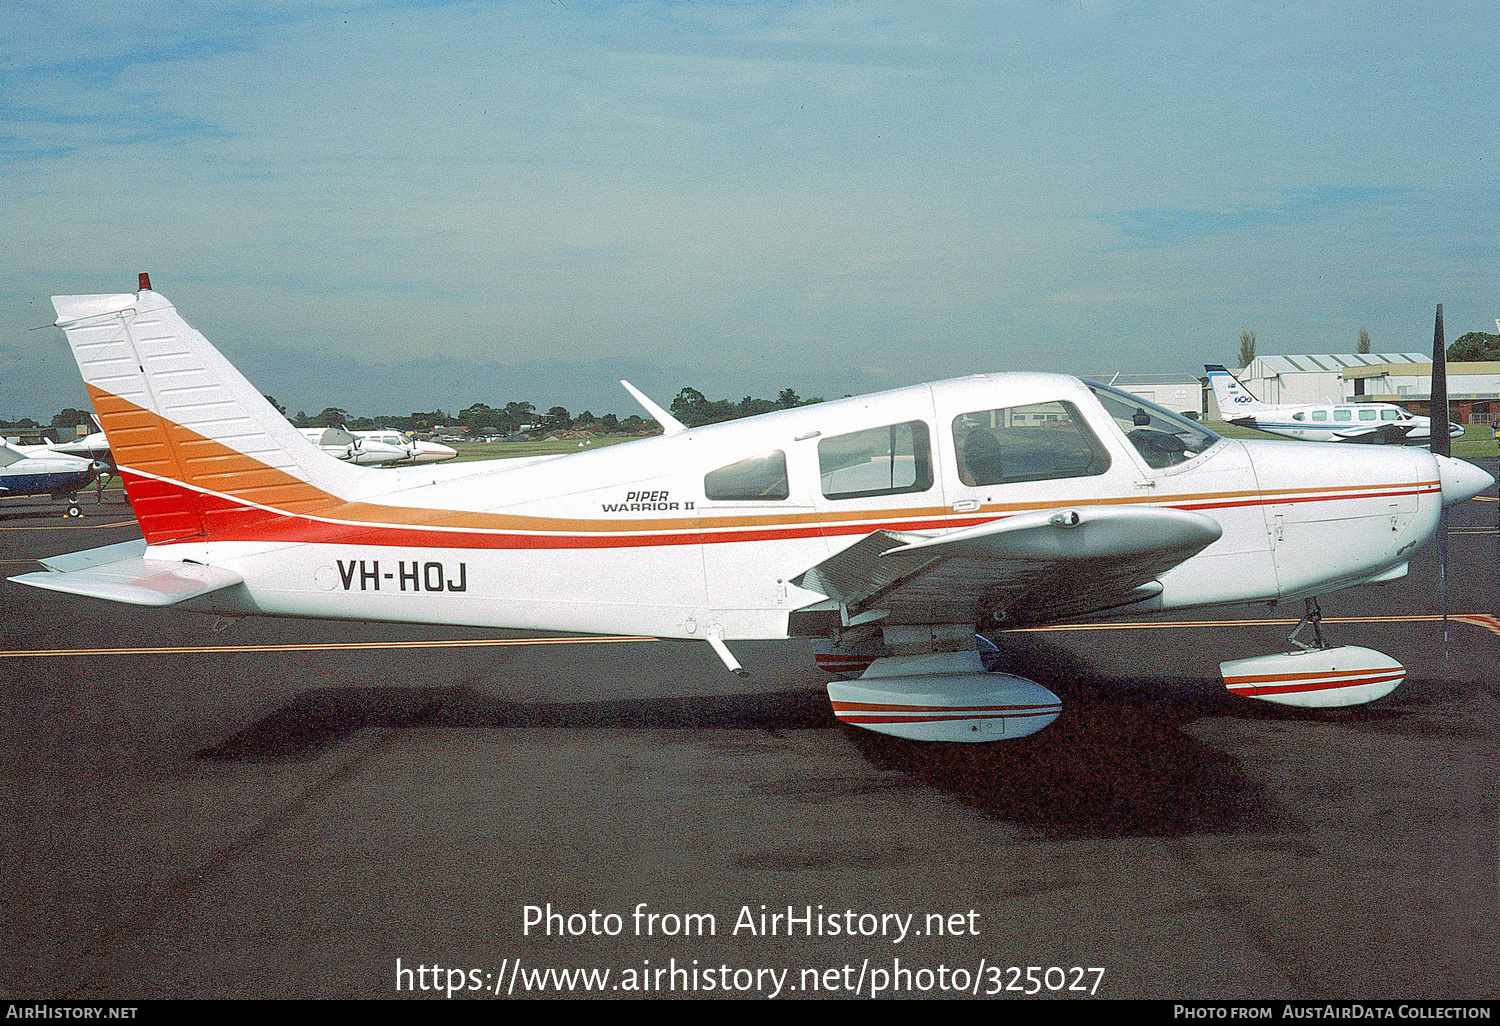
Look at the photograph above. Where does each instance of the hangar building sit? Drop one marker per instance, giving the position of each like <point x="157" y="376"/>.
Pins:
<point x="1402" y="378"/>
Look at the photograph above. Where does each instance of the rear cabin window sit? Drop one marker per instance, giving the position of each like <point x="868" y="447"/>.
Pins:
<point x="885" y="460"/>
<point x="756" y="479"/>
<point x="1320" y="414"/>
<point x="1041" y="442"/>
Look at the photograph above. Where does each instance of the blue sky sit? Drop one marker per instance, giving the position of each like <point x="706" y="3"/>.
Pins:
<point x="393" y="206"/>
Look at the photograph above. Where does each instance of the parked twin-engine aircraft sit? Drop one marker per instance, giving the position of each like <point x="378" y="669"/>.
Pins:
<point x="377" y="448"/>
<point x="342" y="444"/>
<point x="1320" y="422"/>
<point x="892" y="525"/>
<point x="417" y="450"/>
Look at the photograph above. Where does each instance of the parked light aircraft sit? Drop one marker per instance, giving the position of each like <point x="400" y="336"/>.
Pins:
<point x="93" y="446"/>
<point x="417" y="450"/>
<point x="342" y="444"/>
<point x="893" y="525"/>
<point x="1320" y="422"/>
<point x="46" y="473"/>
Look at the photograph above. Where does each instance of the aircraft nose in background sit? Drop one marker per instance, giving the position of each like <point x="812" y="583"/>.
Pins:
<point x="1460" y="480"/>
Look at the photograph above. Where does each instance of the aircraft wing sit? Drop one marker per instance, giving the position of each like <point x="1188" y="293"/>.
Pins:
<point x="120" y="573"/>
<point x="1027" y="568"/>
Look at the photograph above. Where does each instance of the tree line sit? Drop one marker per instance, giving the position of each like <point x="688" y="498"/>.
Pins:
<point x="690" y="406"/>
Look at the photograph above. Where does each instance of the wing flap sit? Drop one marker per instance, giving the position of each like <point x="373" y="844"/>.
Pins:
<point x="135" y="581"/>
<point x="1019" y="569"/>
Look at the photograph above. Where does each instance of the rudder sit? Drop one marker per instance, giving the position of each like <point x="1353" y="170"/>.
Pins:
<point x="193" y="439"/>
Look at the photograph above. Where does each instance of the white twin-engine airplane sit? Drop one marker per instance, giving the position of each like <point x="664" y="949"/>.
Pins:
<point x="1320" y="422"/>
<point x="895" y="526"/>
<point x="377" y="448"/>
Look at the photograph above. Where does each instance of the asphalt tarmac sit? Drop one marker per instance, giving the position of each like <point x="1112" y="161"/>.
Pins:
<point x="283" y="808"/>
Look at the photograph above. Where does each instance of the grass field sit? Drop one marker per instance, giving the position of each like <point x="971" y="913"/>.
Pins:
<point x="511" y="450"/>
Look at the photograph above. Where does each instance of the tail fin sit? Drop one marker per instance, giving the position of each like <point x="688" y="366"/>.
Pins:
<point x="194" y="441"/>
<point x="1234" y="399"/>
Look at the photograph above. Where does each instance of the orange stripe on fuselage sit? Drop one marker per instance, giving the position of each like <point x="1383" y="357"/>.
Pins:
<point x="177" y="468"/>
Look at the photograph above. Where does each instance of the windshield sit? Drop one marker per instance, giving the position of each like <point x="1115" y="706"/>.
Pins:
<point x="1163" y="439"/>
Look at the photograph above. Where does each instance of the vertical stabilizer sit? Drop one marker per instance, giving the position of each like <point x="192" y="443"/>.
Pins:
<point x="190" y="435"/>
<point x="1235" y="401"/>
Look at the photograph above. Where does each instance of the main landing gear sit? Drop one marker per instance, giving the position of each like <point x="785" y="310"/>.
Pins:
<point x="1316" y="676"/>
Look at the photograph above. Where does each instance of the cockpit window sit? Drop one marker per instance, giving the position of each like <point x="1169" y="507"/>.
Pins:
<point x="1041" y="442"/>
<point x="1390" y="414"/>
<point x="758" y="478"/>
<point x="1163" y="439"/>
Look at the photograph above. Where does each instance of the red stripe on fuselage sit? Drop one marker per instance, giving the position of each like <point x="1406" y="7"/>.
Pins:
<point x="174" y="512"/>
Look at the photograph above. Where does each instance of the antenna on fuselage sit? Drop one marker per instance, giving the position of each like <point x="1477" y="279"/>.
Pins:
<point x="670" y="425"/>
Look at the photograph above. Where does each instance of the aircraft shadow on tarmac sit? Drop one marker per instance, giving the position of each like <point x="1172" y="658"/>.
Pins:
<point x="1116" y="763"/>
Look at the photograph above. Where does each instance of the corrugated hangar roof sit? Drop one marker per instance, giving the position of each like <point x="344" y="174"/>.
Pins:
<point x="1333" y="362"/>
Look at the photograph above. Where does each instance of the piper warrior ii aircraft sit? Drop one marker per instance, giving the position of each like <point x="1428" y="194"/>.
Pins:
<point x="1326" y="422"/>
<point x="895" y="526"/>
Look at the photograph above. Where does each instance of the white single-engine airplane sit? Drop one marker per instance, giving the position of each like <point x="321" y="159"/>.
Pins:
<point x="894" y="525"/>
<point x="1320" y="422"/>
<point x="42" y="471"/>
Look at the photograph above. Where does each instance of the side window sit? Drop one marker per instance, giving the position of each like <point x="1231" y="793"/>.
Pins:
<point x="1320" y="414"/>
<point x="877" y="461"/>
<point x="1026" y="443"/>
<point x="1390" y="415"/>
<point x="760" y="477"/>
<point x="1299" y="416"/>
<point x="1368" y="414"/>
<point x="1343" y="415"/>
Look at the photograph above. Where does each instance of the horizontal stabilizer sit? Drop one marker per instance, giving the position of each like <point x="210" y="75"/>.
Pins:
<point x="133" y="580"/>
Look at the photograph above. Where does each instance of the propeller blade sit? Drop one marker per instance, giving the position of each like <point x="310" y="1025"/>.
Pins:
<point x="1442" y="444"/>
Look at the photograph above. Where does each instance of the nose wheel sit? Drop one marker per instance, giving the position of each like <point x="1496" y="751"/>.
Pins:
<point x="73" y="510"/>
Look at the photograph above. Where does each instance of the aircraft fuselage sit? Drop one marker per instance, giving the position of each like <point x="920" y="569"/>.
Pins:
<point x="703" y="531"/>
